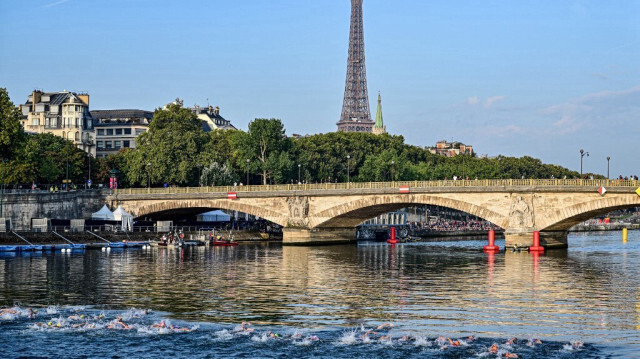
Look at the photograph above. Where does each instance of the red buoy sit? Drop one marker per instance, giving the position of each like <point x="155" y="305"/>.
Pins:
<point x="492" y="242"/>
<point x="392" y="240"/>
<point x="536" y="243"/>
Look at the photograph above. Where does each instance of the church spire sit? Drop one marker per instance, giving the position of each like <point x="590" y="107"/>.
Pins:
<point x="379" y="127"/>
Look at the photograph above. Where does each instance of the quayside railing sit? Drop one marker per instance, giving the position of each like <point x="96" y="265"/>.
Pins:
<point x="386" y="185"/>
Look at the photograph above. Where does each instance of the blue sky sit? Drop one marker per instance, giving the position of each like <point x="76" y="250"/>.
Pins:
<point x="542" y="78"/>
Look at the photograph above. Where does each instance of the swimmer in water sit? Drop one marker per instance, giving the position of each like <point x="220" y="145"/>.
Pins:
<point x="577" y="344"/>
<point x="244" y="327"/>
<point x="8" y="311"/>
<point x="455" y="343"/>
<point x="493" y="349"/>
<point x="274" y="335"/>
<point x="384" y="326"/>
<point x="510" y="355"/>
<point x="176" y="328"/>
<point x="512" y="340"/>
<point x="118" y="323"/>
<point x="534" y="341"/>
<point x="471" y="338"/>
<point x="366" y="335"/>
<point x="160" y="325"/>
<point x="75" y="317"/>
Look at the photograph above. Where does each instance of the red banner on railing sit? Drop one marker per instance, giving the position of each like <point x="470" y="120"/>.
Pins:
<point x="232" y="195"/>
<point x="404" y="189"/>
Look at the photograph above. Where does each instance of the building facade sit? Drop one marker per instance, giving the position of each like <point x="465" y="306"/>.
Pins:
<point x="451" y="149"/>
<point x="64" y="114"/>
<point x="118" y="129"/>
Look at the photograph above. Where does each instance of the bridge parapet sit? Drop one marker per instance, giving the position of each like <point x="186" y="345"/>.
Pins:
<point x="487" y="183"/>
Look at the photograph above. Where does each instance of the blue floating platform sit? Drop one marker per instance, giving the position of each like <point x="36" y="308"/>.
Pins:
<point x="8" y="248"/>
<point x="116" y="245"/>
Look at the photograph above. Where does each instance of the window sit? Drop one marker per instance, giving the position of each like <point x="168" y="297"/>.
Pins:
<point x="110" y="132"/>
<point x="35" y="122"/>
<point x="100" y="132"/>
<point x="118" y="131"/>
<point x="118" y="145"/>
<point x="77" y="136"/>
<point x="126" y="144"/>
<point x="127" y="131"/>
<point x="107" y="144"/>
<point x="100" y="144"/>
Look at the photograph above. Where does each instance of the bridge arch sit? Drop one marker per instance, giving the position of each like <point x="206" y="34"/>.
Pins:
<point x="565" y="218"/>
<point x="145" y="208"/>
<point x="352" y="213"/>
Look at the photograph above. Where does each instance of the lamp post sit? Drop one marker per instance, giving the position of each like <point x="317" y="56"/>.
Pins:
<point x="89" y="180"/>
<point x="148" y="174"/>
<point x="392" y="165"/>
<point x="608" y="158"/>
<point x="248" y="171"/>
<point x="299" y="165"/>
<point x="582" y="154"/>
<point x="348" y="169"/>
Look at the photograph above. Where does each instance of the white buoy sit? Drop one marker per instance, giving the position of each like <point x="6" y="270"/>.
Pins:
<point x="104" y="249"/>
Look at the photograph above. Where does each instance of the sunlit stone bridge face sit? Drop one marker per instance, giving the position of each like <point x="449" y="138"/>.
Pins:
<point x="329" y="212"/>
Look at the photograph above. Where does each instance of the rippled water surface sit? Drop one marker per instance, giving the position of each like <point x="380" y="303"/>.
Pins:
<point x="321" y="301"/>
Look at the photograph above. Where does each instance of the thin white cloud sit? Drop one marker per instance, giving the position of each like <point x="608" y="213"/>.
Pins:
<point x="491" y="100"/>
<point x="473" y="100"/>
<point x="55" y="3"/>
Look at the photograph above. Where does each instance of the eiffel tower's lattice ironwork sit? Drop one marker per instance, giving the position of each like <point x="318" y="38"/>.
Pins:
<point x="356" y="115"/>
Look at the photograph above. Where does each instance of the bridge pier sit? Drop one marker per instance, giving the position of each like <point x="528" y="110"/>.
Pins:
<point x="317" y="236"/>
<point x="524" y="238"/>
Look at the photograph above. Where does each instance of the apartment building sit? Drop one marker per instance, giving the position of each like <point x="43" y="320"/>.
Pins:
<point x="117" y="129"/>
<point x="65" y="114"/>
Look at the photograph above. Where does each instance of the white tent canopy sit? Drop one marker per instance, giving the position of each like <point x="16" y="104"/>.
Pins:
<point x="121" y="215"/>
<point x="214" y="216"/>
<point x="103" y="214"/>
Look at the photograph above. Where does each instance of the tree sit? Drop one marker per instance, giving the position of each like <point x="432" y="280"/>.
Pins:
<point x="11" y="132"/>
<point x="266" y="147"/>
<point x="168" y="152"/>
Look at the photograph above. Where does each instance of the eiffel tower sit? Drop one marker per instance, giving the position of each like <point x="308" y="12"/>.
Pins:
<point x="356" y="116"/>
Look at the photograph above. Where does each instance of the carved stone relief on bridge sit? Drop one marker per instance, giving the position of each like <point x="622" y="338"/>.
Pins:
<point x="298" y="211"/>
<point x="520" y="214"/>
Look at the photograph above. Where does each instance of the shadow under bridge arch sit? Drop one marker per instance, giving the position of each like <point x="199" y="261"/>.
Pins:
<point x="155" y="208"/>
<point x="352" y="213"/>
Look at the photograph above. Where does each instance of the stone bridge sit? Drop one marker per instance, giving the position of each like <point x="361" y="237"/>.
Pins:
<point x="322" y="213"/>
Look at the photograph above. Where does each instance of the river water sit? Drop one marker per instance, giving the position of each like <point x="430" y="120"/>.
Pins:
<point x="321" y="301"/>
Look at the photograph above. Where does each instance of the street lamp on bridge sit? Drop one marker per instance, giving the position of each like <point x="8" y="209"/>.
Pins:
<point x="608" y="158"/>
<point x="348" y="168"/>
<point x="582" y="154"/>
<point x="299" y="165"/>
<point x="392" y="165"/>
